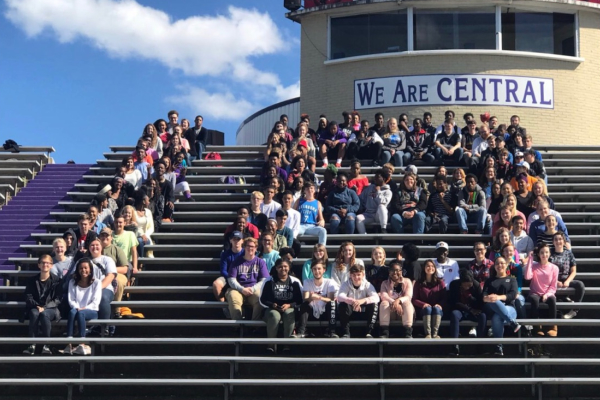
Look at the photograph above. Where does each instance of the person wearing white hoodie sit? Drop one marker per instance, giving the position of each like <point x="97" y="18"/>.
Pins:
<point x="357" y="295"/>
<point x="374" y="201"/>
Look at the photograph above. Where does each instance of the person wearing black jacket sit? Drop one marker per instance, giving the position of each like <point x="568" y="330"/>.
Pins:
<point x="196" y="136"/>
<point x="499" y="293"/>
<point x="408" y="205"/>
<point x="42" y="298"/>
<point x="466" y="302"/>
<point x="166" y="189"/>
<point x="82" y="236"/>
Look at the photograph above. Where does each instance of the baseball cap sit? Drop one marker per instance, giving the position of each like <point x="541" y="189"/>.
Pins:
<point x="303" y="143"/>
<point x="236" y="234"/>
<point x="106" y="230"/>
<point x="442" y="245"/>
<point x="519" y="154"/>
<point x="411" y="168"/>
<point x="523" y="164"/>
<point x="105" y="190"/>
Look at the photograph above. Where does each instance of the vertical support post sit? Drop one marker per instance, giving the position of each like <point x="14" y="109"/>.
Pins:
<point x="381" y="385"/>
<point x="81" y="374"/>
<point x="540" y="395"/>
<point x="226" y="389"/>
<point x="93" y="346"/>
<point x="410" y="33"/>
<point x="498" y="28"/>
<point x="533" y="385"/>
<point x="69" y="391"/>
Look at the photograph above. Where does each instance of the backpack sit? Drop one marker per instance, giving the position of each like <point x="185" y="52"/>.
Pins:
<point x="228" y="180"/>
<point x="213" y="155"/>
<point x="241" y="181"/>
<point x="11" y="145"/>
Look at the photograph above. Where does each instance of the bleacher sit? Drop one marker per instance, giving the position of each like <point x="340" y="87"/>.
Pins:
<point x="185" y="348"/>
<point x="16" y="169"/>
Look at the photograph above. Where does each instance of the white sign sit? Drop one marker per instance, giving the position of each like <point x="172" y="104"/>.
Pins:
<point x="495" y="90"/>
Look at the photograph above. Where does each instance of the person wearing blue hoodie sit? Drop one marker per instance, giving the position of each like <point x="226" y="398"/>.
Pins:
<point x="342" y="206"/>
<point x="332" y="142"/>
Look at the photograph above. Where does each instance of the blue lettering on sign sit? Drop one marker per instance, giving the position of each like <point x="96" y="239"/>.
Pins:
<point x="461" y="86"/>
<point x="481" y="87"/>
<point x="529" y="92"/>
<point x="495" y="82"/>
<point x="439" y="89"/>
<point x="379" y="95"/>
<point x="365" y="93"/>
<point x="542" y="101"/>
<point x="399" y="92"/>
<point x="511" y="90"/>
<point x="412" y="93"/>
<point x="423" y="93"/>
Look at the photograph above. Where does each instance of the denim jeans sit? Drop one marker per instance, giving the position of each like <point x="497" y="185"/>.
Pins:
<point x="442" y="221"/>
<point x="458" y="316"/>
<point x="463" y="217"/>
<point x="349" y="220"/>
<point x="501" y="314"/>
<point x="431" y="311"/>
<point x="42" y="320"/>
<point x="397" y="159"/>
<point x="80" y="316"/>
<point x="314" y="230"/>
<point x="427" y="158"/>
<point x="456" y="156"/>
<point x="418" y="222"/>
<point x="141" y="245"/>
<point x="104" y="309"/>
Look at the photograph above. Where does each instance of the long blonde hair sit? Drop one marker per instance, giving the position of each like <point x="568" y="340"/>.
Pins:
<point x="373" y="251"/>
<point x="387" y="128"/>
<point x="340" y="265"/>
<point x="325" y="260"/>
<point x="132" y="211"/>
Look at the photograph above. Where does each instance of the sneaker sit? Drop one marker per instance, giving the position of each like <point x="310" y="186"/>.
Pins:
<point x="68" y="351"/>
<point x="300" y="335"/>
<point x="346" y="334"/>
<point x="46" y="351"/>
<point x="332" y="335"/>
<point x="499" y="352"/>
<point x="79" y="350"/>
<point x="338" y="165"/>
<point x="227" y="313"/>
<point x="87" y="350"/>
<point x="384" y="231"/>
<point x="473" y="332"/>
<point x="571" y="314"/>
<point x="490" y="333"/>
<point x="111" y="330"/>
<point x="569" y="300"/>
<point x="385" y="335"/>
<point x="515" y="326"/>
<point x="369" y="336"/>
<point x="455" y="351"/>
<point x="30" y="350"/>
<point x="324" y="165"/>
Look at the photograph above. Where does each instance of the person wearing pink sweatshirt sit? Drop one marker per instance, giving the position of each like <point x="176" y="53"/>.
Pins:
<point x="357" y="296"/>
<point x="543" y="276"/>
<point x="396" y="295"/>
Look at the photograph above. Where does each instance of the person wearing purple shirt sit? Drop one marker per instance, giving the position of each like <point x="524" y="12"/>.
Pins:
<point x="245" y="273"/>
<point x="332" y="142"/>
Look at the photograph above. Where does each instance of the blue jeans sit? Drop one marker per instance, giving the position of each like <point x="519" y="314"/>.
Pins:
<point x="349" y="220"/>
<point x="501" y="314"/>
<point x="107" y="298"/>
<point x="431" y="311"/>
<point x="427" y="158"/>
<point x="478" y="217"/>
<point x="456" y="156"/>
<point x="141" y="245"/>
<point x="397" y="159"/>
<point x="417" y="221"/>
<point x="458" y="316"/>
<point x="80" y="316"/>
<point x="314" y="230"/>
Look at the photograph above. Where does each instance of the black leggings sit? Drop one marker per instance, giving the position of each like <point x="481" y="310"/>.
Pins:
<point x="534" y="311"/>
<point x="306" y="311"/>
<point x="368" y="310"/>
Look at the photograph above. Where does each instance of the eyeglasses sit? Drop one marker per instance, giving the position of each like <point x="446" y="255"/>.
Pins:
<point x="395" y="271"/>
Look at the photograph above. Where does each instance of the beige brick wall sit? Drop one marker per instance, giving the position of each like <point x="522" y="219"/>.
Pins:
<point x="329" y="89"/>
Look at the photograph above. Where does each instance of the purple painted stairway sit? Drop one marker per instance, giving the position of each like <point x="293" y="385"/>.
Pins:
<point x="22" y="215"/>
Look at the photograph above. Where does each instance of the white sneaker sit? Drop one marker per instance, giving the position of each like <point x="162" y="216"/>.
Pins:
<point x="79" y="350"/>
<point x="68" y="351"/>
<point x="30" y="350"/>
<point x="87" y="350"/>
<point x="571" y="314"/>
<point x="490" y="333"/>
<point x="473" y="332"/>
<point x="46" y="350"/>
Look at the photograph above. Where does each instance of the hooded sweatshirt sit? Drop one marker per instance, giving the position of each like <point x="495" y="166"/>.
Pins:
<point x="371" y="199"/>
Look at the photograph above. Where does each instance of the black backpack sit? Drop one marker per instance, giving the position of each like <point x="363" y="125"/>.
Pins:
<point x="11" y="145"/>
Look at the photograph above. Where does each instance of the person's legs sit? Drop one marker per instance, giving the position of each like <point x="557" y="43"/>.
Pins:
<point x="461" y="218"/>
<point x="386" y="156"/>
<point x="481" y="324"/>
<point x="71" y="322"/>
<point x="397" y="223"/>
<point x="406" y="158"/>
<point x="235" y="300"/>
<point x="443" y="223"/>
<point x="353" y="151"/>
<point x="458" y="155"/>
<point x="438" y="154"/>
<point x="455" y="317"/>
<point x="375" y="151"/>
<point x="362" y="220"/>
<point x="371" y="313"/>
<point x="381" y="216"/>
<point x="418" y="222"/>
<point x="33" y="315"/>
<point x="345" y="311"/>
<point x="534" y="309"/>
<point x="384" y="317"/>
<point x="272" y="318"/>
<point x="428" y="158"/>
<point x="426" y="313"/>
<point x="397" y="159"/>
<point x="551" y="302"/>
<point x="121" y="283"/>
<point x="107" y="298"/>
<point x="140" y="246"/>
<point x="478" y="217"/>
<point x="257" y="309"/>
<point x="520" y="306"/>
<point x="330" y="313"/>
<point x="506" y="313"/>
<point x="579" y="290"/>
<point x="218" y="286"/>
<point x="289" y="322"/>
<point x="334" y="224"/>
<point x="45" y="320"/>
<point x="350" y="221"/>
<point x="305" y="311"/>
<point x="317" y="231"/>
<point x="408" y="313"/>
<point x="341" y="151"/>
<point x="83" y="316"/>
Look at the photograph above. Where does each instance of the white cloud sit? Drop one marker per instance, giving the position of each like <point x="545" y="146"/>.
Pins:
<point x="218" y="46"/>
<point x="218" y="105"/>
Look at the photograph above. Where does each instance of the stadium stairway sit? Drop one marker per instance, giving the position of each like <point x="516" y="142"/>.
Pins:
<point x="185" y="347"/>
<point x="32" y="205"/>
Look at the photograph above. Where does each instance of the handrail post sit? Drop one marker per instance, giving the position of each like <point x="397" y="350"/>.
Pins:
<point x="81" y="373"/>
<point x="533" y="376"/>
<point x="69" y="391"/>
<point x="539" y="387"/>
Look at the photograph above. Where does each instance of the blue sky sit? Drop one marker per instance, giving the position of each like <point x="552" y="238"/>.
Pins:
<point x="81" y="75"/>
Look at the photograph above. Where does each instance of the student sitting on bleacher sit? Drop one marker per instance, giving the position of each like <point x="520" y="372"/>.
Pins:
<point x="61" y="262"/>
<point x="357" y="297"/>
<point x="396" y="301"/>
<point x="408" y="205"/>
<point x="332" y="144"/>
<point x="155" y="143"/>
<point x="319" y="294"/>
<point x="105" y="271"/>
<point x="293" y="216"/>
<point x="269" y="206"/>
<point x="499" y="293"/>
<point x="157" y="202"/>
<point x="245" y="274"/>
<point x="274" y="161"/>
<point x="480" y="266"/>
<point x="280" y="294"/>
<point x="342" y="206"/>
<point x="227" y="257"/>
<point x="466" y="302"/>
<point x="345" y="258"/>
<point x="544" y="277"/>
<point x="471" y="206"/>
<point x="120" y="259"/>
<point x="256" y="216"/>
<point x="82" y="235"/>
<point x="279" y="240"/>
<point x="42" y="299"/>
<point x="523" y="243"/>
<point x="374" y="201"/>
<point x="266" y="250"/>
<point x="241" y="224"/>
<point x="567" y="271"/>
<point x="429" y="299"/>
<point x="440" y="207"/>
<point x="85" y="294"/>
<point x="145" y="224"/>
<point x="319" y="255"/>
<point x="166" y="190"/>
<point x="311" y="214"/>
<point x="282" y="230"/>
<point x="132" y="174"/>
<point x="539" y="226"/>
<point x="104" y="214"/>
<point x="97" y="225"/>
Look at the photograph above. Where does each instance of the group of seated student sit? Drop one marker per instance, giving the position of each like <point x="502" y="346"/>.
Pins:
<point x="91" y="265"/>
<point x="486" y="289"/>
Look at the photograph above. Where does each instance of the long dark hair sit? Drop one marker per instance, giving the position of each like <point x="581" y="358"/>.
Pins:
<point x="77" y="276"/>
<point x="435" y="280"/>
